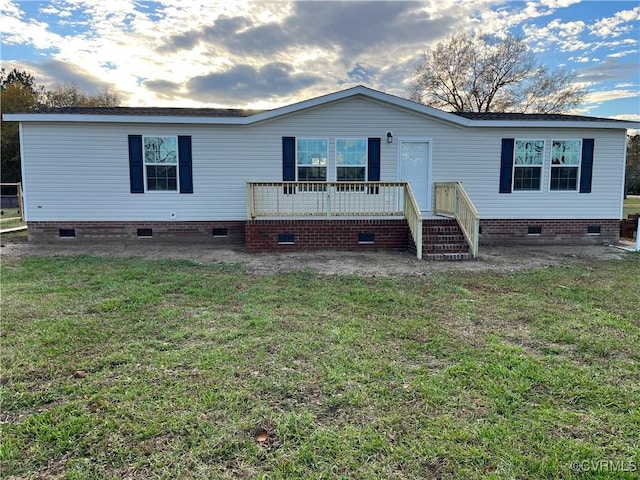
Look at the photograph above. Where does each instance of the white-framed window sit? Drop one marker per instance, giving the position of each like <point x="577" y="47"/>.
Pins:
<point x="528" y="159"/>
<point x="351" y="160"/>
<point x="311" y="159"/>
<point x="566" y="156"/>
<point x="160" y="156"/>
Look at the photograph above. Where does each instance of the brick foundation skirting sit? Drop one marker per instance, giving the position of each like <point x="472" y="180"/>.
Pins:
<point x="296" y="235"/>
<point x="559" y="232"/>
<point x="629" y="226"/>
<point x="214" y="233"/>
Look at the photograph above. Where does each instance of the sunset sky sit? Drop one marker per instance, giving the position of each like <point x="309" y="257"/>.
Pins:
<point x="264" y="54"/>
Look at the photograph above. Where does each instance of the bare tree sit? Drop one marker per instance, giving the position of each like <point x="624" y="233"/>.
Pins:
<point x="549" y="92"/>
<point x="468" y="72"/>
<point x="70" y="95"/>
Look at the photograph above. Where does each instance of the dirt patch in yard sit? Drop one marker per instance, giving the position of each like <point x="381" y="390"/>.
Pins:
<point x="502" y="259"/>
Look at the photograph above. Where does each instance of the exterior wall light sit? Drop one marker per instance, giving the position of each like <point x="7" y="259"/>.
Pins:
<point x="389" y="137"/>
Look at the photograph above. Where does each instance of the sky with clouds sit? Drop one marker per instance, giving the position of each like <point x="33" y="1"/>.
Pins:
<point x="264" y="54"/>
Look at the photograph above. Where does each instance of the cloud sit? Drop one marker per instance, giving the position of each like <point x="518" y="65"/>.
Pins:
<point x="53" y="10"/>
<point x="246" y="83"/>
<point x="611" y="69"/>
<point x="163" y="88"/>
<point x="616" y="25"/>
<point x="625" y="85"/>
<point x="608" y="95"/>
<point x="340" y="42"/>
<point x="10" y="10"/>
<point x="559" y="3"/>
<point x="581" y="59"/>
<point x="563" y="34"/>
<point x="634" y="117"/>
<point x="361" y="74"/>
<point x="238" y="35"/>
<point x="264" y="54"/>
<point x="54" y="72"/>
<point x="500" y="20"/>
<point x="348" y="28"/>
<point x="357" y="27"/>
<point x="622" y="54"/>
<point x="19" y="30"/>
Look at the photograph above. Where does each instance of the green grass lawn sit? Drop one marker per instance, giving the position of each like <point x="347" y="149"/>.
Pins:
<point x="631" y="205"/>
<point x="167" y="369"/>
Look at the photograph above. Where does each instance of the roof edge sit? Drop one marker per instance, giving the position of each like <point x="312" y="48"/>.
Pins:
<point x="358" y="90"/>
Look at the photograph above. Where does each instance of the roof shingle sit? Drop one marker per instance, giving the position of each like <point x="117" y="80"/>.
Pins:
<point x="530" y="117"/>
<point x="153" y="111"/>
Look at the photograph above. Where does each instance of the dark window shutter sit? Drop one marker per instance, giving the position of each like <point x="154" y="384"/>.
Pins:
<point x="185" y="164"/>
<point x="289" y="162"/>
<point x="289" y="159"/>
<point x="374" y="160"/>
<point x="506" y="165"/>
<point x="136" y="166"/>
<point x="586" y="169"/>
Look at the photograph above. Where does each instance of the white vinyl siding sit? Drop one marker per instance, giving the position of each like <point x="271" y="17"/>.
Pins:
<point x="76" y="172"/>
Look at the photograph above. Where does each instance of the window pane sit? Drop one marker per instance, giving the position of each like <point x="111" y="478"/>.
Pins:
<point x="565" y="152"/>
<point x="528" y="152"/>
<point x="527" y="178"/>
<point x="311" y="151"/>
<point x="351" y="152"/>
<point x="564" y="178"/>
<point x="351" y="174"/>
<point x="160" y="177"/>
<point x="160" y="150"/>
<point x="312" y="174"/>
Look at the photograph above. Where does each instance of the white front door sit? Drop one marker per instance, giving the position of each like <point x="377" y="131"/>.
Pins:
<point x="414" y="167"/>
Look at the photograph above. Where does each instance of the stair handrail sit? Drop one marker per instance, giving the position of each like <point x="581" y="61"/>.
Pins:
<point x="414" y="218"/>
<point x="453" y="200"/>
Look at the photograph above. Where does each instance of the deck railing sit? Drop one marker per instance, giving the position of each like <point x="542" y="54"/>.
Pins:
<point x="452" y="199"/>
<point x="336" y="199"/>
<point x="325" y="199"/>
<point x="17" y="187"/>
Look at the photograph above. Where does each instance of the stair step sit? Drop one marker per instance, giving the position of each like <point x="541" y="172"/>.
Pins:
<point x="444" y="239"/>
<point x="448" y="230"/>
<point x="446" y="247"/>
<point x="450" y="257"/>
<point x="439" y="221"/>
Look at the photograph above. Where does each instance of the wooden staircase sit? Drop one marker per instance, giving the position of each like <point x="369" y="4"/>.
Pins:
<point x="442" y="239"/>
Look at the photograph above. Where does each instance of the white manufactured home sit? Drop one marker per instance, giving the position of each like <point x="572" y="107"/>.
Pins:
<point x="355" y="169"/>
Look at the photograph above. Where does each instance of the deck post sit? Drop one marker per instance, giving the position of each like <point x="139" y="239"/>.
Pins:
<point x="20" y="200"/>
<point x="476" y="239"/>
<point x="456" y="200"/>
<point x="250" y="202"/>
